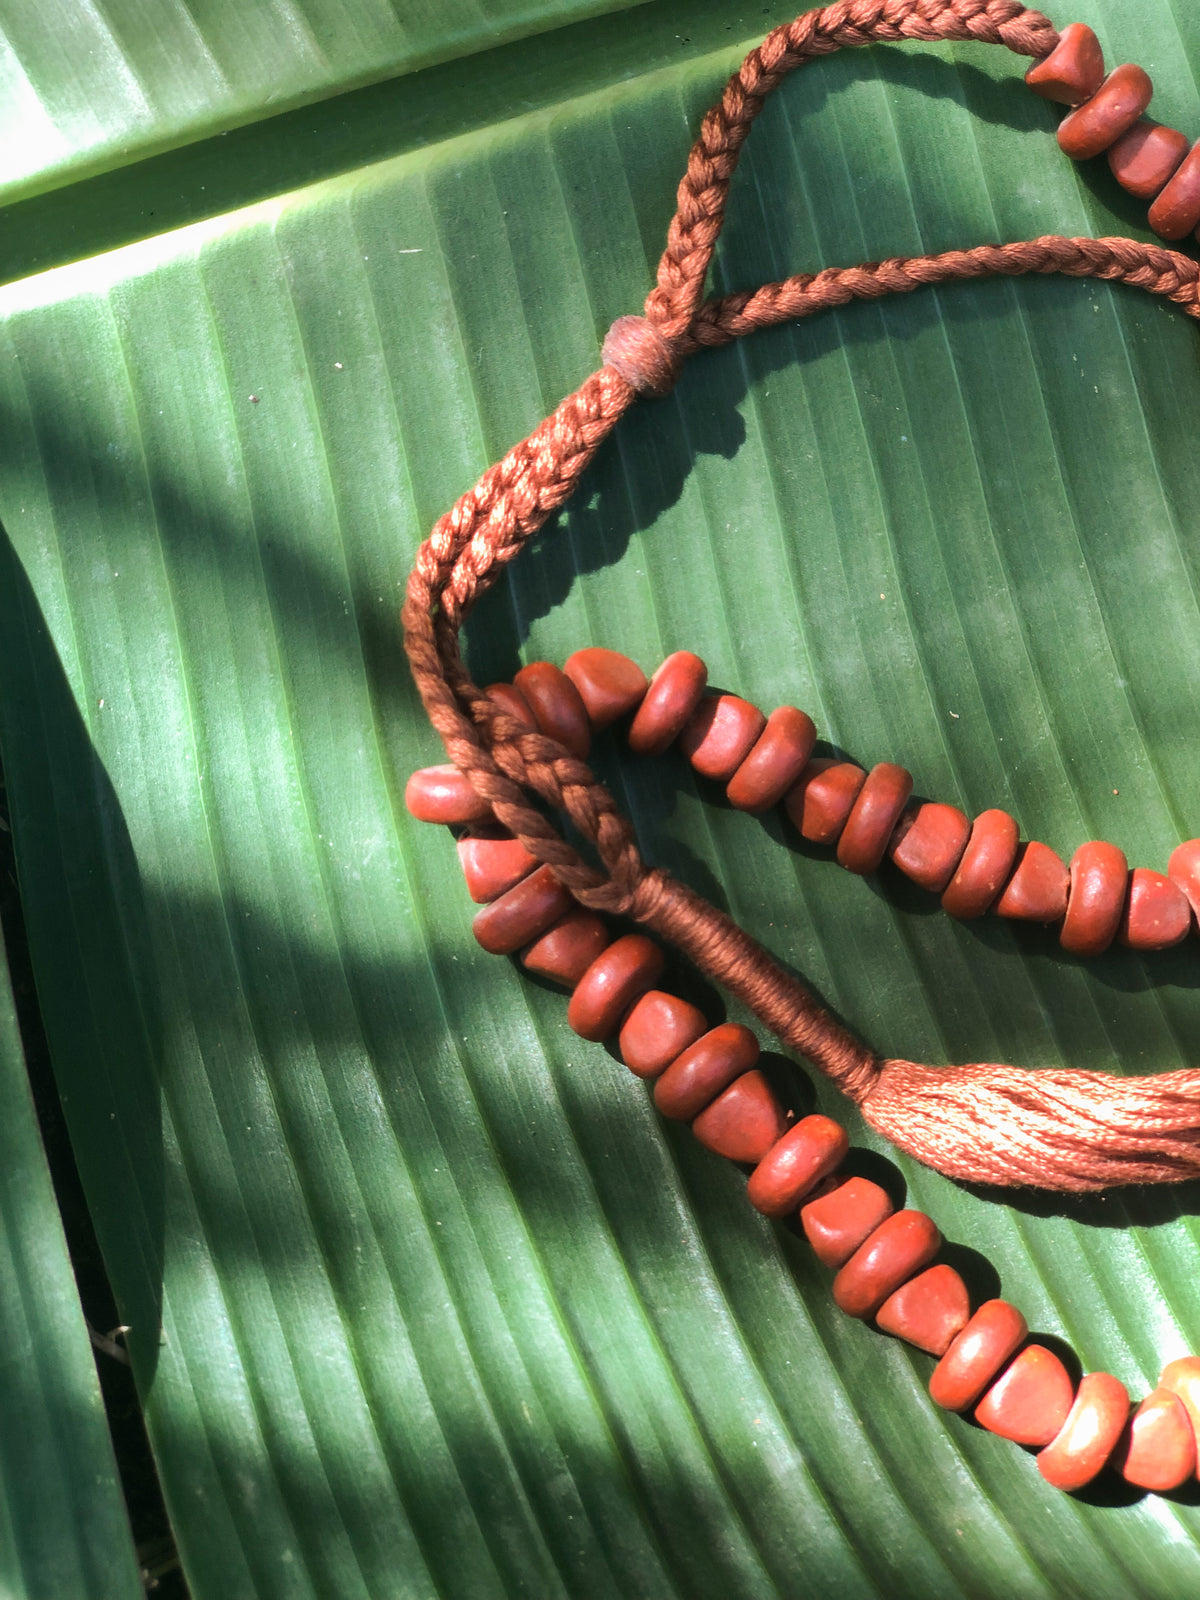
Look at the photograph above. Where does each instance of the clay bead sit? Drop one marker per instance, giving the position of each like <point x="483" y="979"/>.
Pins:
<point x="1073" y="70"/>
<point x="522" y="913"/>
<point x="1157" y="1450"/>
<point x="1156" y="915"/>
<point x="928" y="1310"/>
<point x="744" y="1122"/>
<point x="1184" y="869"/>
<point x="985" y="865"/>
<point x="823" y="797"/>
<point x="928" y="844"/>
<point x="895" y="1252"/>
<point x="1089" y="1436"/>
<point x="514" y="702"/>
<point x="610" y="684"/>
<point x="720" y="734"/>
<point x="674" y="693"/>
<point x="1099" y="875"/>
<point x="1182" y="1378"/>
<point x="442" y="794"/>
<point x="1144" y="158"/>
<point x="873" y="817"/>
<point x="556" y="705"/>
<point x="1100" y="121"/>
<point x="565" y="952"/>
<point x="1037" y="890"/>
<point x="698" y="1075"/>
<point x="617" y="977"/>
<point x="808" y="1152"/>
<point x="1177" y="209"/>
<point x="977" y="1354"/>
<point x="658" y="1028"/>
<point x="778" y="758"/>
<point x="1030" y="1400"/>
<point x="836" y="1223"/>
<point x="490" y="866"/>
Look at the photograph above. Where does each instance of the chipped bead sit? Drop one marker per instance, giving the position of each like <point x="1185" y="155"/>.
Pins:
<point x="1099" y="874"/>
<point x="442" y="794"/>
<point x="514" y="702"/>
<point x="490" y="866"/>
<point x="1144" y="158"/>
<point x="658" y="1028"/>
<point x="1156" y="915"/>
<point x="565" y="952"/>
<point x="1182" y="1378"/>
<point x="1157" y="1450"/>
<point x="674" y="693"/>
<point x="522" y="913"/>
<point x="617" y="977"/>
<point x="1089" y="1436"/>
<point x="1037" y="890"/>
<point x="1184" y="869"/>
<point x="610" y="684"/>
<point x="1073" y="70"/>
<point x="895" y="1252"/>
<point x="698" y="1075"/>
<point x="556" y="705"/>
<point x="927" y="1311"/>
<point x="1100" y="121"/>
<point x="985" y="865"/>
<point x="873" y="817"/>
<point x="808" y="1152"/>
<point x="977" y="1354"/>
<point x="776" y="761"/>
<point x="1029" y="1401"/>
<point x="1176" y="211"/>
<point x="835" y="1224"/>
<point x="823" y="797"/>
<point x="928" y="843"/>
<point x="720" y="734"/>
<point x="744" y="1122"/>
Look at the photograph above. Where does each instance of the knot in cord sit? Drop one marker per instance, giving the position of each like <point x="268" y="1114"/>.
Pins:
<point x="649" y="363"/>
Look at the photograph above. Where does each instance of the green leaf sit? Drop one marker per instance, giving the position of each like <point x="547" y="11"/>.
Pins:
<point x="424" y="1298"/>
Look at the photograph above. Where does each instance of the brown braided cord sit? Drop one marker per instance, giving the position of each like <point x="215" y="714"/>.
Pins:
<point x="987" y="1123"/>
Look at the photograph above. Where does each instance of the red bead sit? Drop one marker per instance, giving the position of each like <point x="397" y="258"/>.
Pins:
<point x="823" y="797"/>
<point x="567" y="950"/>
<point x="744" y="1122"/>
<point x="1184" y="869"/>
<point x="928" y="1311"/>
<point x="617" y="977"/>
<point x="1182" y="1378"/>
<point x="697" y="1076"/>
<point x="836" y="1223"/>
<point x="674" y="693"/>
<point x="1177" y="210"/>
<point x="776" y="761"/>
<point x="1144" y="158"/>
<point x="1099" y="876"/>
<point x="985" y="865"/>
<point x="873" y="817"/>
<point x="1158" y="1448"/>
<point x="609" y="684"/>
<point x="720" y="734"/>
<point x="895" y="1252"/>
<point x="556" y="705"/>
<point x="514" y="702"/>
<point x="808" y="1152"/>
<point x="659" y="1027"/>
<point x="1037" y="890"/>
<point x="1030" y="1400"/>
<point x="1157" y="914"/>
<point x="1089" y="1435"/>
<point x="522" y="913"/>
<point x="1100" y="121"/>
<point x="442" y="794"/>
<point x="490" y="866"/>
<point x="977" y="1354"/>
<point x="928" y="844"/>
<point x="1073" y="70"/>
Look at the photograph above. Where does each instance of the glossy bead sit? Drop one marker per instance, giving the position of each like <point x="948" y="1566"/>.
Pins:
<point x="674" y="693"/>
<point x="698" y="1075"/>
<point x="610" y="684"/>
<point x="565" y="952"/>
<point x="617" y="977"/>
<point x="985" y="865"/>
<point x="1184" y="869"/>
<point x="895" y="1252"/>
<point x="556" y="705"/>
<point x="836" y="1223"/>
<point x="1182" y="1378"/>
<point x="928" y="843"/>
<point x="928" y="1310"/>
<point x="1156" y="915"/>
<point x="1144" y="158"/>
<point x="720" y="734"/>
<point x="1157" y="1451"/>
<point x="778" y="758"/>
<point x="442" y="794"/>
<point x="1099" y="876"/>
<point x="743" y="1122"/>
<point x="808" y="1152"/>
<point x="823" y="797"/>
<point x="490" y="866"/>
<point x="522" y="913"/>
<point x="873" y="817"/>
<point x="1073" y="70"/>
<point x="1176" y="211"/>
<point x="1100" y="121"/>
<point x="514" y="702"/>
<point x="977" y="1354"/>
<point x="1029" y="1401"/>
<point x="658" y="1028"/>
<point x="1037" y="890"/>
<point x="1089" y="1436"/>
